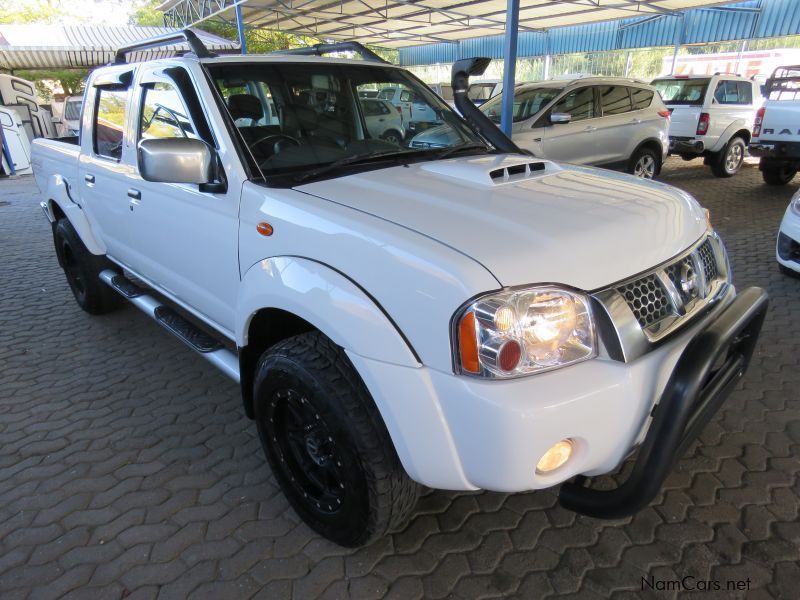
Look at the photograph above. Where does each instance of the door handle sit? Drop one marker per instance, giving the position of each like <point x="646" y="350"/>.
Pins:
<point x="636" y="121"/>
<point x="590" y="128"/>
<point x="537" y="140"/>
<point x="88" y="178"/>
<point x="134" y="194"/>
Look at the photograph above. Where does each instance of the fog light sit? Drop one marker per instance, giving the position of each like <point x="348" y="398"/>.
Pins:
<point x="555" y="457"/>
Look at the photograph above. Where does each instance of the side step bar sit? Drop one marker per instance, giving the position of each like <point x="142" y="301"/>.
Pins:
<point x="197" y="339"/>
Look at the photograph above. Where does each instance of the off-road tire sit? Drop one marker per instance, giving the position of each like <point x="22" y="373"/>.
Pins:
<point x="777" y="175"/>
<point x="728" y="161"/>
<point x="82" y="270"/>
<point x="645" y="163"/>
<point x="308" y="375"/>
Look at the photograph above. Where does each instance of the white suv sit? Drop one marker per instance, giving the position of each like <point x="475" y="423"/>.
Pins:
<point x="712" y="117"/>
<point x="608" y="122"/>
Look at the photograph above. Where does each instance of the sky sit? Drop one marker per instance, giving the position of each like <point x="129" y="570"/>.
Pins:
<point x="76" y="12"/>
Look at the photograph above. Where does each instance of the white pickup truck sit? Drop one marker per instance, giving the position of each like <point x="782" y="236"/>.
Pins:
<point x="776" y="134"/>
<point x="464" y="317"/>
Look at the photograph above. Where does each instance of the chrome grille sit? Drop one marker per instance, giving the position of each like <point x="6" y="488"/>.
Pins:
<point x="662" y="300"/>
<point x="709" y="262"/>
<point x="647" y="298"/>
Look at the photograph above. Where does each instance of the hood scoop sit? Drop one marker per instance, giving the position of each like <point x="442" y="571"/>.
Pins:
<point x="515" y="172"/>
<point x="489" y="171"/>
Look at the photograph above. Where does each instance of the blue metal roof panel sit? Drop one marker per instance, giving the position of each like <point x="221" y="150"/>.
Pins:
<point x="697" y="26"/>
<point x="779" y="17"/>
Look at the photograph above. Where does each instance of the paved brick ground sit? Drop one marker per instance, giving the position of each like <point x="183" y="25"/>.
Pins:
<point x="128" y="469"/>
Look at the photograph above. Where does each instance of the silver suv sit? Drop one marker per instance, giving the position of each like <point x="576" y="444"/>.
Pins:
<point x="603" y="121"/>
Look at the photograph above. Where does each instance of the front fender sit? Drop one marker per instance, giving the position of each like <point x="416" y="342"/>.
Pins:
<point x="329" y="301"/>
<point x="58" y="193"/>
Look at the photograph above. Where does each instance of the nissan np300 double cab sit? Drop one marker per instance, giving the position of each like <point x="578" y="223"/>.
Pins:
<point x="467" y="317"/>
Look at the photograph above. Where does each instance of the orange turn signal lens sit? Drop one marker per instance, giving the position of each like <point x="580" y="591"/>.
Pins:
<point x="468" y="344"/>
<point x="264" y="228"/>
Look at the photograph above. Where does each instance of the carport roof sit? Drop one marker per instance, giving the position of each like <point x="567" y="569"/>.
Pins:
<point x="64" y="47"/>
<point x="402" y="23"/>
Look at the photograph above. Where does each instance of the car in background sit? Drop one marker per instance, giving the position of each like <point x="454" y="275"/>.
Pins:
<point x="788" y="247"/>
<point x="776" y="132"/>
<point x="712" y="117"/>
<point x="610" y="122"/>
<point x="416" y="111"/>
<point x="69" y="122"/>
<point x="383" y="121"/>
<point x="483" y="90"/>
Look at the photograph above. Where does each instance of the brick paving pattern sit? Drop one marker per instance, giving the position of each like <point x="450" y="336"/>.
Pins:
<point x="128" y="469"/>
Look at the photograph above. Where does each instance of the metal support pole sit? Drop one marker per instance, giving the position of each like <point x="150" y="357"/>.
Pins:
<point x="240" y="28"/>
<point x="742" y="50"/>
<point x="679" y="34"/>
<point x="509" y="65"/>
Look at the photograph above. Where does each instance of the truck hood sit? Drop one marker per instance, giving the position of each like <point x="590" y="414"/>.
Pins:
<point x="529" y="220"/>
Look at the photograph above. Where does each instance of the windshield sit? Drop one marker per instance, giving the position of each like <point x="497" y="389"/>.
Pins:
<point x="298" y="117"/>
<point x="72" y="110"/>
<point x="527" y="103"/>
<point x="682" y="91"/>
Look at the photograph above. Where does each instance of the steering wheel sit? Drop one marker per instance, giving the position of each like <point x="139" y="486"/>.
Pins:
<point x="276" y="137"/>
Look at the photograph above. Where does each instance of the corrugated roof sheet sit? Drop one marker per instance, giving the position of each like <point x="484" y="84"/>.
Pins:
<point x="60" y="47"/>
<point x="732" y="21"/>
<point x="403" y="23"/>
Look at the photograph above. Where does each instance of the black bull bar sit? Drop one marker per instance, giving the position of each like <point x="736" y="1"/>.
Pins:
<point x="705" y="374"/>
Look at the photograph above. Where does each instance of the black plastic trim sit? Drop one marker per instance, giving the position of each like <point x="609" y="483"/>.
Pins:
<point x="694" y="392"/>
<point x="187" y="332"/>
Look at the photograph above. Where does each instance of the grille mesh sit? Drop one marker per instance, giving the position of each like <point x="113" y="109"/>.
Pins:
<point x="647" y="299"/>
<point x="706" y="254"/>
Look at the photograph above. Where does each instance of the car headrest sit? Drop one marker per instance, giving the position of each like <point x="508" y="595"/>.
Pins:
<point x="245" y="106"/>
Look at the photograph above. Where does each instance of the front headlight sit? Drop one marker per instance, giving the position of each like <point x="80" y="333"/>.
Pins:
<point x="520" y="332"/>
<point x="795" y="204"/>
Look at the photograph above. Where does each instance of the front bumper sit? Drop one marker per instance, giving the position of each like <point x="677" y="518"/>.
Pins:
<point x="706" y="373"/>
<point x="787" y="250"/>
<point x="460" y="433"/>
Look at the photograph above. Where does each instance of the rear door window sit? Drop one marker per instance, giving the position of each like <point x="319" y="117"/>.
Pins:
<point x="641" y="98"/>
<point x="727" y="92"/>
<point x="745" y="92"/>
<point x="614" y="99"/>
<point x="109" y="122"/>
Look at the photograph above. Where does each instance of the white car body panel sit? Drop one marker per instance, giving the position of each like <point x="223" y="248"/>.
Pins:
<point x="790" y="226"/>
<point x="781" y="122"/>
<point x="724" y="119"/>
<point x="650" y="223"/>
<point x="380" y="261"/>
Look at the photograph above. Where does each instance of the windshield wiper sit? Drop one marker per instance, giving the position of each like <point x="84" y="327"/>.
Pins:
<point x="459" y="147"/>
<point x="350" y="160"/>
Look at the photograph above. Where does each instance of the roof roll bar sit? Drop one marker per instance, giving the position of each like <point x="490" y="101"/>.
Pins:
<point x="168" y="39"/>
<point x="320" y="49"/>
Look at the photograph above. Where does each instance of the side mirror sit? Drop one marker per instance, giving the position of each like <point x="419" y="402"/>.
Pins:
<point x="176" y="160"/>
<point x="556" y="118"/>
